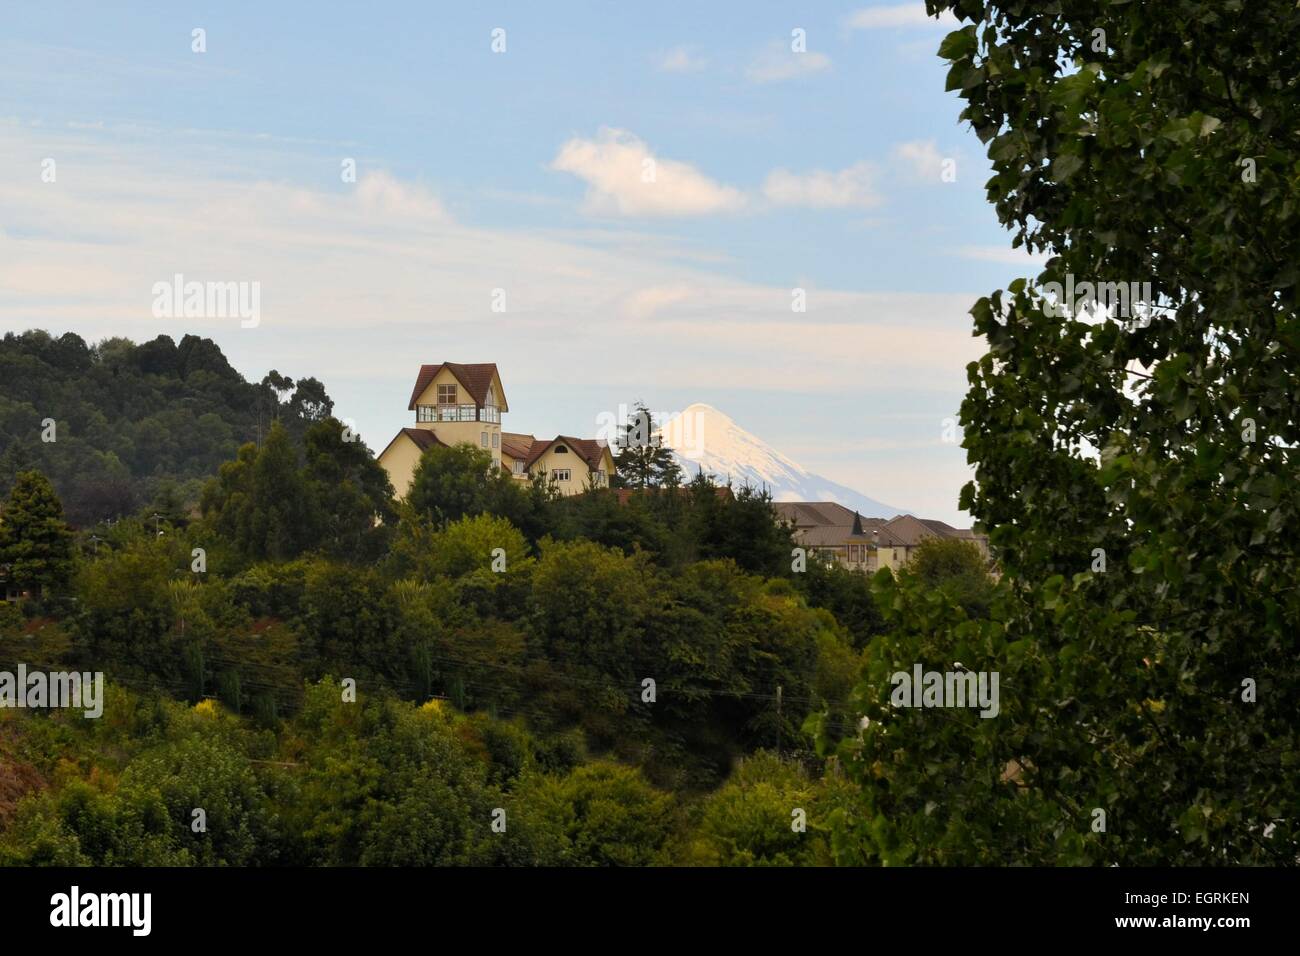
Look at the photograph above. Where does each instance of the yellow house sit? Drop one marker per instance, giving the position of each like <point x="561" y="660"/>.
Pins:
<point x="456" y="403"/>
<point x="570" y="464"/>
<point x="865" y="544"/>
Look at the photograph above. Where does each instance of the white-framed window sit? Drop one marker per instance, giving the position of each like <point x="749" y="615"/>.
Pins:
<point x="482" y="439"/>
<point x="496" y="439"/>
<point x="560" y="474"/>
<point x="426" y="413"/>
<point x="519" y="466"/>
<point x="446" y="394"/>
<point x="598" y="477"/>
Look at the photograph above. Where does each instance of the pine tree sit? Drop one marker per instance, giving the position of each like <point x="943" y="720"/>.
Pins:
<point x="642" y="460"/>
<point x="35" y="541"/>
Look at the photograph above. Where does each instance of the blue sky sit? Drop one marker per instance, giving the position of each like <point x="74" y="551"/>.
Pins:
<point x="524" y="171"/>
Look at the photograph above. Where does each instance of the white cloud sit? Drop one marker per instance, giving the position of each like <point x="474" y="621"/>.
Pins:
<point x="1004" y="255"/>
<point x="649" y="302"/>
<point x="345" y="271"/>
<point x="920" y="159"/>
<point x="358" y="291"/>
<point x="899" y="15"/>
<point x="778" y="62"/>
<point x="681" y="60"/>
<point x="821" y="189"/>
<point x="380" y="193"/>
<point x="625" y="179"/>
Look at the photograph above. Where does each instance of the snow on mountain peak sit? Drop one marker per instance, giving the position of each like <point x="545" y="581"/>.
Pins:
<point x="705" y="438"/>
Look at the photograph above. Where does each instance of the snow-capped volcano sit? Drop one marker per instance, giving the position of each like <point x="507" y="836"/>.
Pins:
<point x="703" y="437"/>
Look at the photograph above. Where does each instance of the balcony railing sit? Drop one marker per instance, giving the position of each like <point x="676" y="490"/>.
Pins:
<point x="458" y="413"/>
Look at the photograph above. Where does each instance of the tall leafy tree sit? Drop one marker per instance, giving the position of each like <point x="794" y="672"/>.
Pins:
<point x="1136" y="466"/>
<point x="35" y="541"/>
<point x="262" y="503"/>
<point x="452" y="483"/>
<point x="350" y="488"/>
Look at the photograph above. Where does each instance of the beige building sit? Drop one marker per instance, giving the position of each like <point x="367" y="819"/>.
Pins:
<point x="456" y="403"/>
<point x="571" y="464"/>
<point x="865" y="544"/>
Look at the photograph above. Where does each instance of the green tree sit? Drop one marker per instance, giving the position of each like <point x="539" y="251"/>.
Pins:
<point x="642" y="460"/>
<point x="753" y="819"/>
<point x="127" y="610"/>
<point x="958" y="568"/>
<point x="35" y="541"/>
<point x="741" y="526"/>
<point x="262" y="503"/>
<point x="1136" y="465"/>
<point x="351" y="491"/>
<point x="310" y="401"/>
<point x="603" y="815"/>
<point x="451" y="483"/>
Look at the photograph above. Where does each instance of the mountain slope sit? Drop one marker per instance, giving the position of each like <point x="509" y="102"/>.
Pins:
<point x="703" y="437"/>
<point x="133" y="423"/>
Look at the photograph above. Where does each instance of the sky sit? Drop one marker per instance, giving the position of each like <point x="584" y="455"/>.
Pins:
<point x="766" y="208"/>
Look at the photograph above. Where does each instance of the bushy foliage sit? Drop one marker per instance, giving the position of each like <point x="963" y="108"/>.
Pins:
<point x="1134" y="462"/>
<point x="35" y="542"/>
<point x="129" y="417"/>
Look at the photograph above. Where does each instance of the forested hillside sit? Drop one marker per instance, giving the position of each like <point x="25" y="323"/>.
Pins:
<point x="336" y="677"/>
<point x="134" y="425"/>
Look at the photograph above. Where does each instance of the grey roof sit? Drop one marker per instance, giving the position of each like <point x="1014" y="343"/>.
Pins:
<point x="825" y="523"/>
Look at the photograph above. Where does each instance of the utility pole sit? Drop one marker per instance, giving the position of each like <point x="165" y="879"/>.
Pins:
<point x="778" y="720"/>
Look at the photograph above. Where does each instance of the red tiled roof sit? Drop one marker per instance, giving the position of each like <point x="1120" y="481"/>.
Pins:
<point x="423" y="438"/>
<point x="516" y="445"/>
<point x="588" y="449"/>
<point x="476" y="379"/>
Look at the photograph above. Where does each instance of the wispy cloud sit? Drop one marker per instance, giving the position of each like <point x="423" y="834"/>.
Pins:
<point x="381" y="193"/>
<point x="1003" y="254"/>
<point x="919" y="160"/>
<point x="823" y="189"/>
<point x="681" y="60"/>
<point x="360" y="282"/>
<point x="902" y="15"/>
<point x="778" y="63"/>
<point x="624" y="178"/>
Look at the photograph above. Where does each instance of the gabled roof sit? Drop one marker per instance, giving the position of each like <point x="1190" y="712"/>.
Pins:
<point x="423" y="438"/>
<point x="517" y="445"/>
<point x="830" y="535"/>
<point x="909" y="531"/>
<point x="476" y="379"/>
<point x="589" y="450"/>
<point x="941" y="528"/>
<point x="826" y="523"/>
<point x="815" y="513"/>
